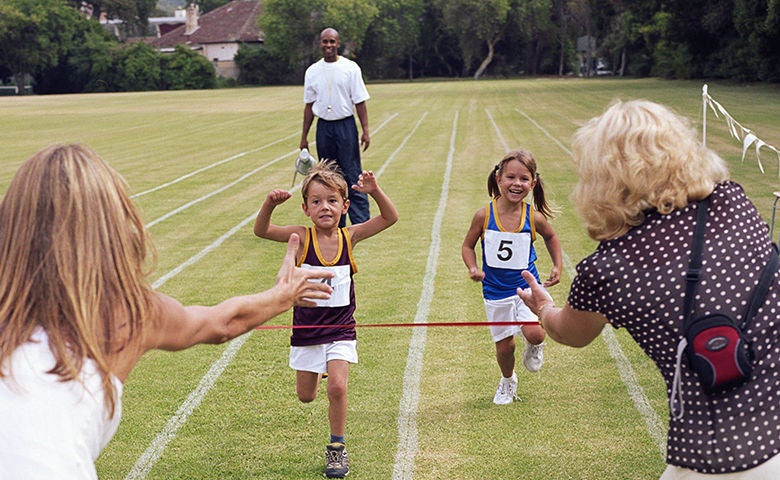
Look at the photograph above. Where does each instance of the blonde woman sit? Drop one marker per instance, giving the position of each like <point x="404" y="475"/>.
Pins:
<point x="77" y="312"/>
<point x="642" y="170"/>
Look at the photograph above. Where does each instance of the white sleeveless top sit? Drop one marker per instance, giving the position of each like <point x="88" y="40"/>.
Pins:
<point x="50" y="429"/>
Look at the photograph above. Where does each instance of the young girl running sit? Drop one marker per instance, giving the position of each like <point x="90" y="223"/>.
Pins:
<point x="507" y="227"/>
<point x="316" y="351"/>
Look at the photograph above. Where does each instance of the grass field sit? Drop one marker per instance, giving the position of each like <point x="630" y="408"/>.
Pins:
<point x="200" y="164"/>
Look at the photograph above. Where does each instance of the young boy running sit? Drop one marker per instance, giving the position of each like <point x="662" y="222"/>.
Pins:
<point x="330" y="348"/>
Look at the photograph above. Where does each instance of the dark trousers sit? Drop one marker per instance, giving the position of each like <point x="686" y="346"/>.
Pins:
<point x="338" y="140"/>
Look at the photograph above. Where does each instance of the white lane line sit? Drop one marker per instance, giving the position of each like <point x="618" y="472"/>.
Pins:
<point x="209" y="167"/>
<point x="234" y="182"/>
<point x="563" y="147"/>
<point x="498" y="131"/>
<point x="155" y="450"/>
<point x="654" y="424"/>
<point x="407" y="411"/>
<point x="220" y="189"/>
<point x="401" y="146"/>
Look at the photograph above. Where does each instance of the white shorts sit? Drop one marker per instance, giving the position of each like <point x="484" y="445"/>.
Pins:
<point x="769" y="470"/>
<point x="315" y="358"/>
<point x="510" y="309"/>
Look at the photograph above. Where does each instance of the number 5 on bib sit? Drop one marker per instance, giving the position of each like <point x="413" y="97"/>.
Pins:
<point x="508" y="250"/>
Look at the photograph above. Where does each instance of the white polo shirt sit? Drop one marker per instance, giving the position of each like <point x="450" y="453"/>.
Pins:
<point x="334" y="88"/>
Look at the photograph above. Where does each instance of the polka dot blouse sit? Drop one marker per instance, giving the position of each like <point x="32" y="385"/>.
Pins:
<point x="638" y="282"/>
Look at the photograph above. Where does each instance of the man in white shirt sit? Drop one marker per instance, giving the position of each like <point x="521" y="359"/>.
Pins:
<point x="333" y="89"/>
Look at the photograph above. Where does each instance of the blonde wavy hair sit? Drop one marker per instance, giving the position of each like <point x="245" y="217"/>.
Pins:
<point x="328" y="173"/>
<point x="635" y="157"/>
<point x="73" y="260"/>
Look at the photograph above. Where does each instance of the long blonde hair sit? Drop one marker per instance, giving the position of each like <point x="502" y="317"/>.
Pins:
<point x="635" y="157"/>
<point x="73" y="260"/>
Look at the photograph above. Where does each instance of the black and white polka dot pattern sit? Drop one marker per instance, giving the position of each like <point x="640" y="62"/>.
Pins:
<point x="638" y="282"/>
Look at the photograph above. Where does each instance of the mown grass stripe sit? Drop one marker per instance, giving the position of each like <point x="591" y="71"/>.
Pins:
<point x="407" y="411"/>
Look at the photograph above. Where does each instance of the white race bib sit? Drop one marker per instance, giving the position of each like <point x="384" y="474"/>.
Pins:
<point x="340" y="283"/>
<point x="508" y="250"/>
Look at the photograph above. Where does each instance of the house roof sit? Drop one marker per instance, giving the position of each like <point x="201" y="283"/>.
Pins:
<point x="231" y="23"/>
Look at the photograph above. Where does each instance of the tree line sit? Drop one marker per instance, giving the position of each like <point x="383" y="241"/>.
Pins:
<point x="61" y="45"/>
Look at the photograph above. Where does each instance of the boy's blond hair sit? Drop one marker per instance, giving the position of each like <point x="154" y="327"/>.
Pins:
<point x="328" y="173"/>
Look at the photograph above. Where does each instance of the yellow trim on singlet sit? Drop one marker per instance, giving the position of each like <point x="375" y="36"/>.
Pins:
<point x="305" y="248"/>
<point x="487" y="220"/>
<point x="526" y="206"/>
<point x="349" y="251"/>
<point x="311" y="236"/>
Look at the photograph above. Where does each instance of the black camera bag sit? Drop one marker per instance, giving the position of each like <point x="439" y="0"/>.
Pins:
<point x="716" y="346"/>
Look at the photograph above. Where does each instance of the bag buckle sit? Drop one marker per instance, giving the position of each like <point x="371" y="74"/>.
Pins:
<point x="692" y="275"/>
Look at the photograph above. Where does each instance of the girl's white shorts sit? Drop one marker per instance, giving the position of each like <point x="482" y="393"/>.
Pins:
<point x="509" y="309"/>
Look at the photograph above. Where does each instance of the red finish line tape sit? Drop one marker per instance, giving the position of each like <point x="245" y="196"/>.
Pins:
<point x="382" y="325"/>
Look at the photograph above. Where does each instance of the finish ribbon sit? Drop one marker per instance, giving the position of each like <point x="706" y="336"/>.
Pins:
<point x="382" y="325"/>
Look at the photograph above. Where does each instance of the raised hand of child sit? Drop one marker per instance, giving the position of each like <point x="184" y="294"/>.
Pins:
<point x="278" y="197"/>
<point x="366" y="182"/>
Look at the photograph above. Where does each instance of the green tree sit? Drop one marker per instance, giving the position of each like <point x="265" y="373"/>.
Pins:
<point x="534" y="21"/>
<point x="477" y="24"/>
<point x="631" y="36"/>
<point x="15" y="29"/>
<point x="34" y="34"/>
<point x="292" y="27"/>
<point x="671" y="57"/>
<point x="133" y="13"/>
<point x="85" y="66"/>
<point x="393" y="38"/>
<point x="259" y="66"/>
<point x="185" y="69"/>
<point x="757" y="23"/>
<point x="351" y="18"/>
<point x="137" y="68"/>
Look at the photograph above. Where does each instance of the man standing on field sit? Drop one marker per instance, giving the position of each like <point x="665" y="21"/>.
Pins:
<point x="333" y="87"/>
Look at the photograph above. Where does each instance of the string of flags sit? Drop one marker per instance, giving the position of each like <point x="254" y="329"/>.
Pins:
<point x="744" y="135"/>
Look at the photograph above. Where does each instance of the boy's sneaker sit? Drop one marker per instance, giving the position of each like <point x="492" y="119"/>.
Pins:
<point x="337" y="464"/>
<point x="506" y="391"/>
<point x="533" y="357"/>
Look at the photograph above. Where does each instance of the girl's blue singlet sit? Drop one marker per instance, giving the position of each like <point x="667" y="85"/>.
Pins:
<point x="506" y="254"/>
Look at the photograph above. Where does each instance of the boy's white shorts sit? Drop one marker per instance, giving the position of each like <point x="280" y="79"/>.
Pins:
<point x="315" y="358"/>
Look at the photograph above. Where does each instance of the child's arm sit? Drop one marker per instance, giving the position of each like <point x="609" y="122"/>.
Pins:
<point x="388" y="215"/>
<point x="467" y="249"/>
<point x="553" y="245"/>
<point x="263" y="226"/>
